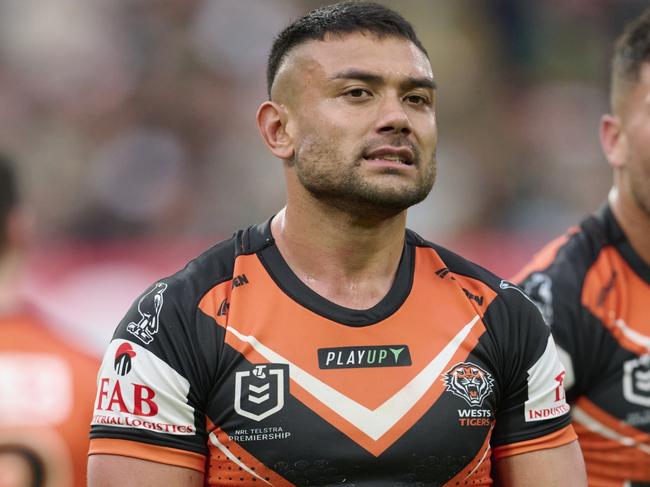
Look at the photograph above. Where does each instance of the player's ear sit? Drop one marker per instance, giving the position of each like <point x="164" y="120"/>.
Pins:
<point x="272" y="124"/>
<point x="613" y="140"/>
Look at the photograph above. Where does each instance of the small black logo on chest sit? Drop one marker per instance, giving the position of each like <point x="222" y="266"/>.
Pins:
<point x="478" y="299"/>
<point x="239" y="280"/>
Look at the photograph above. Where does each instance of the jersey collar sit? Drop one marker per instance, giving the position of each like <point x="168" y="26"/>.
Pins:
<point x="619" y="240"/>
<point x="261" y="240"/>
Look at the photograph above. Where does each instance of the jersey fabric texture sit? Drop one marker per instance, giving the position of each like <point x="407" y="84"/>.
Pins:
<point x="593" y="291"/>
<point x="46" y="391"/>
<point x="235" y="368"/>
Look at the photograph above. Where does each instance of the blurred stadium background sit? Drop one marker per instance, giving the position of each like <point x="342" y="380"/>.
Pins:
<point x="132" y="122"/>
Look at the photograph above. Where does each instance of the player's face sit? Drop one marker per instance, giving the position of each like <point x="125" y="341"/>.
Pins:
<point x="363" y="122"/>
<point x="635" y="130"/>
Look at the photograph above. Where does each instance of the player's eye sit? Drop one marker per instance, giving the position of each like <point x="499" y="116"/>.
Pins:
<point x="357" y="93"/>
<point x="418" y="100"/>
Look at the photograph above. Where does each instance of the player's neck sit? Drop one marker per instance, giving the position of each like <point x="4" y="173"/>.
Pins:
<point x="344" y="259"/>
<point x="633" y="220"/>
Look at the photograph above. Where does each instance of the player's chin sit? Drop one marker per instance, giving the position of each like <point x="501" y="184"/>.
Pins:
<point x="397" y="196"/>
<point x="396" y="180"/>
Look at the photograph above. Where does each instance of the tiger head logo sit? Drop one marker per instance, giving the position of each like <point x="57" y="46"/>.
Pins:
<point x="470" y="382"/>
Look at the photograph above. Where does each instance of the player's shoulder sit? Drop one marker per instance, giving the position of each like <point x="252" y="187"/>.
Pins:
<point x="567" y="259"/>
<point x="213" y="266"/>
<point x="169" y="309"/>
<point x="465" y="270"/>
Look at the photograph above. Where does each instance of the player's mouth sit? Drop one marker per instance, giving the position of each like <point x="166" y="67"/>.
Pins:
<point x="391" y="156"/>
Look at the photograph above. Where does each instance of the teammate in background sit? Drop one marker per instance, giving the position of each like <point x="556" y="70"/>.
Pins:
<point x="593" y="286"/>
<point x="46" y="385"/>
<point x="330" y="345"/>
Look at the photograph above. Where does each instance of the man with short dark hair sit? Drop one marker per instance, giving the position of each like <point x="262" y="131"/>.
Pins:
<point x="330" y="345"/>
<point x="593" y="286"/>
<point x="46" y="384"/>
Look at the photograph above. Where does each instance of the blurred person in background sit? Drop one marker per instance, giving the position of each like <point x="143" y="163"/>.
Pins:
<point x="46" y="385"/>
<point x="593" y="286"/>
<point x="330" y="345"/>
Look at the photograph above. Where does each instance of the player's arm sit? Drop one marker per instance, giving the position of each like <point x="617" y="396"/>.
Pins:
<point x="119" y="471"/>
<point x="554" y="467"/>
<point x="533" y="443"/>
<point x="149" y="425"/>
<point x="556" y="289"/>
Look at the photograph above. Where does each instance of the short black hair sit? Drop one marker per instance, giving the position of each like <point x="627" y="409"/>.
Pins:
<point x="8" y="195"/>
<point x="338" y="19"/>
<point x="631" y="51"/>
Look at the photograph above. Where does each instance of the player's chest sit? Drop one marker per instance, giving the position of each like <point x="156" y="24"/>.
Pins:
<point x="618" y="298"/>
<point x="414" y="394"/>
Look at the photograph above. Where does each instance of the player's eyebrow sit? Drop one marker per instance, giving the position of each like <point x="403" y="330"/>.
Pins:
<point x="372" y="78"/>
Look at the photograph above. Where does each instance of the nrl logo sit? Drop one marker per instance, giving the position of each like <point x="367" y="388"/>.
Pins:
<point x="636" y="380"/>
<point x="149" y="308"/>
<point x="259" y="393"/>
<point x="470" y="382"/>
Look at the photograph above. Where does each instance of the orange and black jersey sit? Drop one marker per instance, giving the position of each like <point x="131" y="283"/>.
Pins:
<point x="593" y="291"/>
<point x="235" y="368"/>
<point x="47" y="386"/>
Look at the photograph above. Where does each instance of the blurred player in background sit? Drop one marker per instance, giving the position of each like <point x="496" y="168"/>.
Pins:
<point x="593" y="286"/>
<point x="46" y="385"/>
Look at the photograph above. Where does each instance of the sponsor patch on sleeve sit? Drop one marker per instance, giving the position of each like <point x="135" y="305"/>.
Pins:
<point x="136" y="389"/>
<point x="546" y="397"/>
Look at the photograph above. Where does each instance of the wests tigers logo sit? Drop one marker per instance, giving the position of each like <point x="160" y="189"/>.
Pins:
<point x="469" y="381"/>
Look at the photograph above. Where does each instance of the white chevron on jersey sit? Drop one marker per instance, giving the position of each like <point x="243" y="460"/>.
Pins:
<point x="375" y="423"/>
<point x="632" y="334"/>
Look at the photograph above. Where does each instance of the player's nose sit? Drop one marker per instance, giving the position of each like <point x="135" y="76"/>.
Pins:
<point x="392" y="117"/>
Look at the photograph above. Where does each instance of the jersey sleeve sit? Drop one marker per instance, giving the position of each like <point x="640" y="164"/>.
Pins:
<point x="556" y="290"/>
<point x="533" y="413"/>
<point x="154" y="380"/>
